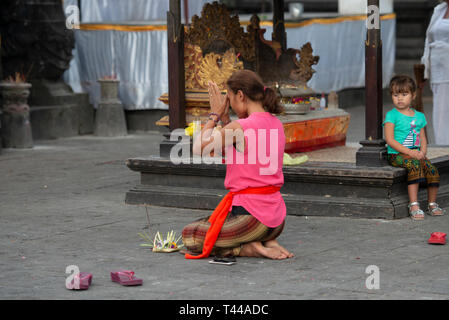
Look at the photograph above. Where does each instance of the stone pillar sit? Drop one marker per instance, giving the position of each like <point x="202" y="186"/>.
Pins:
<point x="373" y="151"/>
<point x="110" y="117"/>
<point x="15" y="121"/>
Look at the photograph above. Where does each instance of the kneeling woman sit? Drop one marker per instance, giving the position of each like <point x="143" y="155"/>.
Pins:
<point x="252" y="215"/>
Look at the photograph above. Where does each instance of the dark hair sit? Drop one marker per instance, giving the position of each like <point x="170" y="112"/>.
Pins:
<point x="252" y="87"/>
<point x="402" y="84"/>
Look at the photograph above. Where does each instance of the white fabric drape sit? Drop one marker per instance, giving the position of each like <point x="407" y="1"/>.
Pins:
<point x="130" y="10"/>
<point x="138" y="59"/>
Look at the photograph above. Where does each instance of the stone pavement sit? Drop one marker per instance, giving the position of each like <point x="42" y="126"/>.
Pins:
<point x="62" y="203"/>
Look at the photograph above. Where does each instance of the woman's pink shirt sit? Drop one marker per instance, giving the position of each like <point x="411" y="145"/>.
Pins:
<point x="259" y="166"/>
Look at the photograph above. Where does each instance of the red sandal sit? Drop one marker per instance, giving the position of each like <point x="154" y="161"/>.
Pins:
<point x="80" y="281"/>
<point x="437" y="238"/>
<point x="125" y="278"/>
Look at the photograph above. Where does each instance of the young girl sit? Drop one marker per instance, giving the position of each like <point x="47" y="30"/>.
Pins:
<point x="252" y="215"/>
<point x="407" y="146"/>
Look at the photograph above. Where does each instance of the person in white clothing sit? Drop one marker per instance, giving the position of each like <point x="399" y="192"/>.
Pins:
<point x="436" y="61"/>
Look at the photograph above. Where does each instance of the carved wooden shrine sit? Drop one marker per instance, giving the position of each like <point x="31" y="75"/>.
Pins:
<point x="216" y="45"/>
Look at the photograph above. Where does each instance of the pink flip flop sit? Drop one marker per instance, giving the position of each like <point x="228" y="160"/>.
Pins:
<point x="84" y="279"/>
<point x="125" y="278"/>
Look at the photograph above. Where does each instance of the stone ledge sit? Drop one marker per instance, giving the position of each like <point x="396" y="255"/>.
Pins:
<point x="318" y="189"/>
<point x="313" y="170"/>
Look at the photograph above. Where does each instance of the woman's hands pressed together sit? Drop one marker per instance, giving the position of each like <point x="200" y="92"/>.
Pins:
<point x="219" y="103"/>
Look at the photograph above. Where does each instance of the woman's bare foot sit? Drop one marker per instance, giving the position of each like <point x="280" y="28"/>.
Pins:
<point x="275" y="244"/>
<point x="258" y="250"/>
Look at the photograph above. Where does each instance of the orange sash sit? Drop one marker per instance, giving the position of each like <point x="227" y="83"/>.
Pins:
<point x="219" y="215"/>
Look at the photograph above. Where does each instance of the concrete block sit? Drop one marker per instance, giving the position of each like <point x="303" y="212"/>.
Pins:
<point x="54" y="122"/>
<point x="16" y="131"/>
<point x="110" y="120"/>
<point x="145" y="120"/>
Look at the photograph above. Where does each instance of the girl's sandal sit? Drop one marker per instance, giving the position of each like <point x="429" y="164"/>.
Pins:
<point x="433" y="208"/>
<point x="416" y="215"/>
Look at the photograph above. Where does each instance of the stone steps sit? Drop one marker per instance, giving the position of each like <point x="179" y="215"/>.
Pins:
<point x="410" y="42"/>
<point x="409" y="53"/>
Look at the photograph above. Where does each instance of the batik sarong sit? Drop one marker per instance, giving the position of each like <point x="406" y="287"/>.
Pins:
<point x="418" y="171"/>
<point x="240" y="227"/>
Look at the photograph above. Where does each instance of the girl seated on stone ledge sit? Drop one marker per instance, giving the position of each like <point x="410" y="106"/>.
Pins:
<point x="407" y="146"/>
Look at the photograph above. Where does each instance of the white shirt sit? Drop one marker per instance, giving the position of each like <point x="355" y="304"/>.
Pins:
<point x="436" y="51"/>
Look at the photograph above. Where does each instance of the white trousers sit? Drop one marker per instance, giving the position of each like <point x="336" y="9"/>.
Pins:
<point x="441" y="113"/>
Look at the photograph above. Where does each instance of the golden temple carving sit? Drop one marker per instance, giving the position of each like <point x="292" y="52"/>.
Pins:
<point x="193" y="57"/>
<point x="216" y="25"/>
<point x="215" y="67"/>
<point x="305" y="71"/>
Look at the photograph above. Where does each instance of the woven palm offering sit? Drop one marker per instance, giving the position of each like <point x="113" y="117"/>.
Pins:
<point x="170" y="244"/>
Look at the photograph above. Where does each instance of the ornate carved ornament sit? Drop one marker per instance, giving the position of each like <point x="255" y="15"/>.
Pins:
<point x="216" y="67"/>
<point x="216" y="24"/>
<point x="306" y="60"/>
<point x="15" y="97"/>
